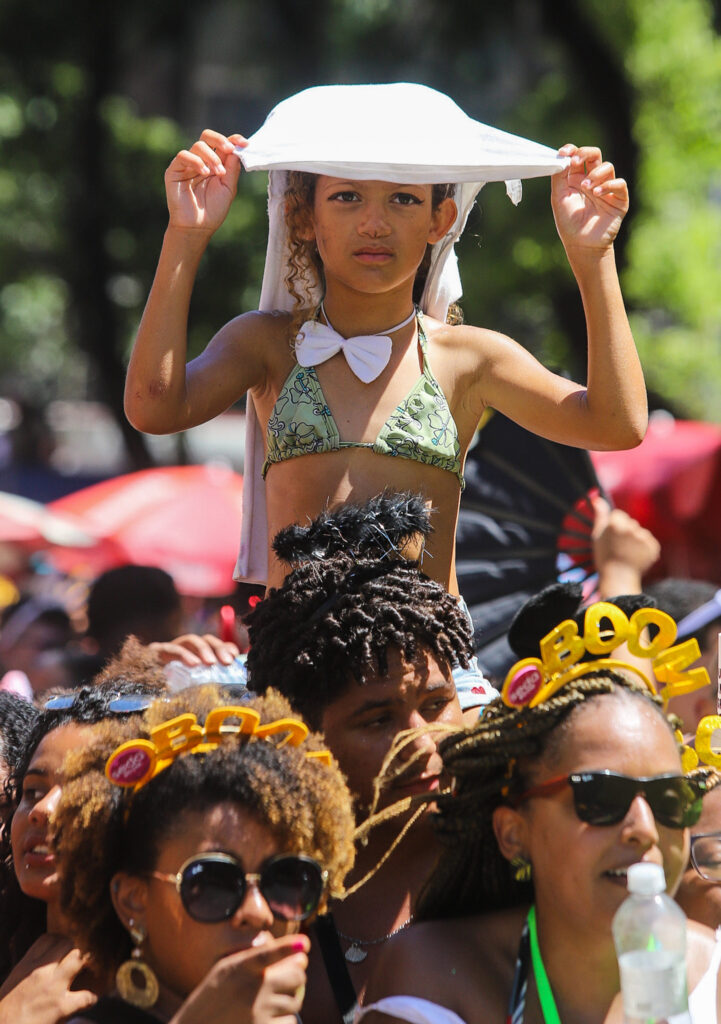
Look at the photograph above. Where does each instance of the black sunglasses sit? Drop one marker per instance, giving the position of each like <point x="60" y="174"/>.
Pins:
<point x="603" y="798"/>
<point x="213" y="885"/>
<point x="706" y="855"/>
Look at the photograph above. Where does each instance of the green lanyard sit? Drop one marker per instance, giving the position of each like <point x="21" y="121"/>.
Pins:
<point x="543" y="985"/>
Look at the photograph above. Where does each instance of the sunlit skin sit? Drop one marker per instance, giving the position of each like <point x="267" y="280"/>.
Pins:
<point x="371" y="236"/>
<point x="699" y="897"/>
<point x="467" y="964"/>
<point x="180" y="950"/>
<point x="33" y="857"/>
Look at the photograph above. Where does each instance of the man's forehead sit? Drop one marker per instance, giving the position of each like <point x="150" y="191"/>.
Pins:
<point x="405" y="681"/>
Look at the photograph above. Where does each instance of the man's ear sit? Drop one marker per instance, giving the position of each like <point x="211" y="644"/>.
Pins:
<point x="443" y="217"/>
<point x="510" y="830"/>
<point x="129" y="894"/>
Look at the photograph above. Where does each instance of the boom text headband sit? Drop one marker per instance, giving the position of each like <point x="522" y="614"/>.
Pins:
<point x="136" y="762"/>
<point x="606" y="627"/>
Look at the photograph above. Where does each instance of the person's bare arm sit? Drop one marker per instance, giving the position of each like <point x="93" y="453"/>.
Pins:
<point x="162" y="395"/>
<point x="623" y="550"/>
<point x="589" y="203"/>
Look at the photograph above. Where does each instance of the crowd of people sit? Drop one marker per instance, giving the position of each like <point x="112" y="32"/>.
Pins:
<point x="371" y="827"/>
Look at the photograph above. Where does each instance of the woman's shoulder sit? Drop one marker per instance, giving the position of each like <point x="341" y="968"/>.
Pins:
<point x="427" y="960"/>
<point x="254" y="336"/>
<point x="472" y="344"/>
<point x="258" y="325"/>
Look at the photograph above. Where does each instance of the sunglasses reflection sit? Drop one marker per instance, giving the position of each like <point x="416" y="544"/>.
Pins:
<point x="212" y="887"/>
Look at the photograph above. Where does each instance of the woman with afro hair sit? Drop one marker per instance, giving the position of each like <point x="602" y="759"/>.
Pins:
<point x="192" y="846"/>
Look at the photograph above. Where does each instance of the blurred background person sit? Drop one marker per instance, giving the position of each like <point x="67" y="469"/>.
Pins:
<point x="34" y="636"/>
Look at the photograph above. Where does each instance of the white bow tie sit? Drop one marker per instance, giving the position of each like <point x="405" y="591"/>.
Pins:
<point x="366" y="354"/>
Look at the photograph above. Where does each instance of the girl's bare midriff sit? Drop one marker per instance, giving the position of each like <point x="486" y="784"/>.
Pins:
<point x="301" y="488"/>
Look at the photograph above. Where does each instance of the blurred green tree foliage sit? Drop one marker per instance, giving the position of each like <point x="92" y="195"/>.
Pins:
<point x="95" y="99"/>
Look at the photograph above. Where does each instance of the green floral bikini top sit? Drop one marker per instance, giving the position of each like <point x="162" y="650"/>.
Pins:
<point x="421" y="428"/>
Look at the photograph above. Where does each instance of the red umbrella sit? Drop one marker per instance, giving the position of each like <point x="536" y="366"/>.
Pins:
<point x="184" y="519"/>
<point x="671" y="484"/>
<point x="27" y="522"/>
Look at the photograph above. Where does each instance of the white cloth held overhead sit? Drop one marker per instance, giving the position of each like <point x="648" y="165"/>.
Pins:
<point x="401" y="133"/>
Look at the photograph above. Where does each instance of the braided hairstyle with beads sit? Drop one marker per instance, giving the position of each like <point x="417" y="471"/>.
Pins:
<point x="490" y="764"/>
<point x="351" y="596"/>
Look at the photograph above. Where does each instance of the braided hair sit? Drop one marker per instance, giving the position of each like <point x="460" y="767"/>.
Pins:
<point x="351" y="597"/>
<point x="489" y="764"/>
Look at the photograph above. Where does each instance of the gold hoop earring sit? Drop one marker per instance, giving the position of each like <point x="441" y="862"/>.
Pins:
<point x="523" y="869"/>
<point x="134" y="980"/>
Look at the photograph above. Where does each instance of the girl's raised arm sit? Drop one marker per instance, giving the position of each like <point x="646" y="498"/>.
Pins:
<point x="162" y="395"/>
<point x="589" y="203"/>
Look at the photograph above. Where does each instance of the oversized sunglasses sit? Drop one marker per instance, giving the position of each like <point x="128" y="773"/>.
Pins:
<point x="604" y="798"/>
<point x="213" y="885"/>
<point x="706" y="855"/>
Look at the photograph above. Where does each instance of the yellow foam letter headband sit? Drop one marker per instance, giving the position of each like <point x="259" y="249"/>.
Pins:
<point x="702" y="751"/>
<point x="533" y="680"/>
<point x="138" y="761"/>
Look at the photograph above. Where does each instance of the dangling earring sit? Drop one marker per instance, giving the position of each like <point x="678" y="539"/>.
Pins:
<point x="134" y="970"/>
<point x="522" y="867"/>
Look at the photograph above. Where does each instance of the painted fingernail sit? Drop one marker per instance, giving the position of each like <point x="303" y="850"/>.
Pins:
<point x="586" y="183"/>
<point x="298" y="946"/>
<point x="598" y="189"/>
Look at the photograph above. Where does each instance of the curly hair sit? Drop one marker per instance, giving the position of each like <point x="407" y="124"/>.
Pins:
<point x="100" y="829"/>
<point x="338" y="613"/>
<point x="17" y="718"/>
<point x="489" y="763"/>
<point x="135" y="669"/>
<point x="23" y="919"/>
<point x="305" y="273"/>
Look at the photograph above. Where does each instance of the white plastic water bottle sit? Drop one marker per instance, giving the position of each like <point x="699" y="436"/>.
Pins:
<point x="649" y="931"/>
<point x="180" y="675"/>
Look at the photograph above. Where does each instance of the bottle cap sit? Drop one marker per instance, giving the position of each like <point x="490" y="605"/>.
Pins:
<point x="646" y="879"/>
